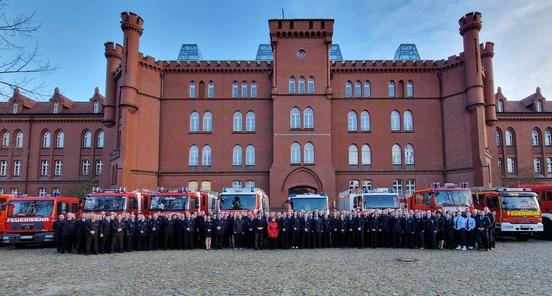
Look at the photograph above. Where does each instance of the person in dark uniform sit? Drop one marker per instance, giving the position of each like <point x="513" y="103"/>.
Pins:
<point x="259" y="225"/>
<point x="130" y="233"/>
<point x="305" y="231"/>
<point x="92" y="227"/>
<point x="154" y="232"/>
<point x="316" y="228"/>
<point x="440" y="220"/>
<point x="420" y="231"/>
<point x="385" y="229"/>
<point x="168" y="232"/>
<point x="199" y="233"/>
<point x="218" y="225"/>
<point x="294" y="225"/>
<point x="208" y="231"/>
<point x="396" y="228"/>
<point x="80" y="243"/>
<point x="141" y="230"/>
<point x="373" y="225"/>
<point x="341" y="229"/>
<point x="350" y="230"/>
<point x="58" y="226"/>
<point x="483" y="224"/>
<point x="326" y="231"/>
<point x="188" y="226"/>
<point x="491" y="232"/>
<point x="238" y="228"/>
<point x="283" y="227"/>
<point x="359" y="230"/>
<point x="409" y="231"/>
<point x="68" y="231"/>
<point x="249" y="231"/>
<point x="431" y="231"/>
<point x="117" y="234"/>
<point x="105" y="233"/>
<point x="449" y="231"/>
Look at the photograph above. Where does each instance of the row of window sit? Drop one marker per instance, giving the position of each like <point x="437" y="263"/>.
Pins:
<point x="500" y="106"/>
<point x="206" y="185"/>
<point x="237" y="120"/>
<point x="206" y="155"/>
<point x="45" y="168"/>
<point x="509" y="137"/>
<point x="41" y="192"/>
<point x="364" y="89"/>
<point x="56" y="107"/>
<point x="511" y="165"/>
<point x="59" y="139"/>
<point x="396" y="155"/>
<point x="243" y="90"/>
<point x="397" y="185"/>
<point x="297" y="86"/>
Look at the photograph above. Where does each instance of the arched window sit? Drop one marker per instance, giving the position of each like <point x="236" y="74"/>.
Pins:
<point x="237" y="155"/>
<point x="538" y="107"/>
<point x="352" y="121"/>
<point x="206" y="155"/>
<point x="96" y="107"/>
<point x="391" y="89"/>
<point x="396" y="154"/>
<point x="548" y="137"/>
<point x="535" y="137"/>
<point x="308" y="118"/>
<point x="295" y="153"/>
<point x="193" y="155"/>
<point x="207" y="122"/>
<point x="366" y="154"/>
<point x="308" y="153"/>
<point x="409" y="89"/>
<point x="250" y="155"/>
<point x="301" y="85"/>
<point x="500" y="106"/>
<point x="407" y="121"/>
<point x="46" y="139"/>
<point x="292" y="85"/>
<point x="409" y="154"/>
<point x="235" y="90"/>
<point x="348" y="89"/>
<point x="295" y="118"/>
<point x="6" y="139"/>
<point x="15" y="107"/>
<point x="253" y="89"/>
<point x="244" y="89"/>
<point x="365" y="121"/>
<point x="311" y="85"/>
<point x="509" y="137"/>
<point x="100" y="139"/>
<point x="87" y="140"/>
<point x="19" y="140"/>
<point x="353" y="155"/>
<point x="211" y="89"/>
<point x="498" y="138"/>
<point x="56" y="107"/>
<point x="194" y="122"/>
<point x="395" y="121"/>
<point x="358" y="89"/>
<point x="60" y="139"/>
<point x="367" y="89"/>
<point x="192" y="89"/>
<point x="237" y="122"/>
<point x="250" y="121"/>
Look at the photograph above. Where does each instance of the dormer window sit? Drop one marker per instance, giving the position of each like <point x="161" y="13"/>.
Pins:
<point x="500" y="106"/>
<point x="96" y="107"/>
<point x="15" y="106"/>
<point x="538" y="106"/>
<point x="56" y="107"/>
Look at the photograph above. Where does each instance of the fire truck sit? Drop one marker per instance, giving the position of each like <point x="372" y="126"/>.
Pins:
<point x="447" y="197"/>
<point x="118" y="201"/>
<point x="4" y="198"/>
<point x="31" y="219"/>
<point x="360" y="200"/>
<point x="544" y="196"/>
<point x="242" y="200"/>
<point x="308" y="202"/>
<point x="181" y="201"/>
<point x="517" y="210"/>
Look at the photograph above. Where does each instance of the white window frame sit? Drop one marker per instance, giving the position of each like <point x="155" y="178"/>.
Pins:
<point x="44" y="168"/>
<point x="308" y="118"/>
<point x="410" y="89"/>
<point x="235" y="89"/>
<point x="391" y="89"/>
<point x="537" y="165"/>
<point x="46" y="139"/>
<point x="6" y="139"/>
<point x="395" y="121"/>
<point x="237" y="122"/>
<point x="98" y="167"/>
<point x="509" y="138"/>
<point x="60" y="139"/>
<point x="211" y="89"/>
<point x="535" y="139"/>
<point x="357" y="89"/>
<point x="311" y="85"/>
<point x="352" y="121"/>
<point x="85" y="167"/>
<point x="410" y="186"/>
<point x="206" y="155"/>
<point x="295" y="118"/>
<point x="365" y="124"/>
<point x="250" y="121"/>
<point x="409" y="154"/>
<point x="19" y="140"/>
<point x="295" y="152"/>
<point x="510" y="165"/>
<point x="291" y="87"/>
<point x="547" y="137"/>
<point x="100" y="139"/>
<point x="253" y="89"/>
<point x="408" y="121"/>
<point x="192" y="90"/>
<point x="348" y="89"/>
<point x="366" y="153"/>
<point x="397" y="185"/>
<point x="301" y="87"/>
<point x="17" y="168"/>
<point x="58" y="167"/>
<point x="250" y="155"/>
<point x="207" y="121"/>
<point x="244" y="91"/>
<point x="194" y="122"/>
<point x="237" y="155"/>
<point x="193" y="155"/>
<point x="353" y="154"/>
<point x="308" y="153"/>
<point x="87" y="140"/>
<point x="396" y="154"/>
<point x="3" y="168"/>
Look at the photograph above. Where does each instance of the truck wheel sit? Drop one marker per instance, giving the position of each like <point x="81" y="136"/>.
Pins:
<point x="522" y="236"/>
<point x="547" y="233"/>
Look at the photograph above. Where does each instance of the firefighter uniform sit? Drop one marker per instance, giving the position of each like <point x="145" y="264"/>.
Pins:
<point x="141" y="234"/>
<point x="483" y="225"/>
<point x="117" y="235"/>
<point x="154" y="233"/>
<point x="130" y="234"/>
<point x="91" y="228"/>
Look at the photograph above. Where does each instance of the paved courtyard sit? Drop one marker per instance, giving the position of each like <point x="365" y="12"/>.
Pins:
<point x="512" y="268"/>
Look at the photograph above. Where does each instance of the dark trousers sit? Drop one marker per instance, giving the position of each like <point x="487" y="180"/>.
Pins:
<point x="396" y="239"/>
<point x="317" y="237"/>
<point x="59" y="244"/>
<point x="373" y="239"/>
<point x="461" y="237"/>
<point x="142" y="242"/>
<point x="409" y="240"/>
<point x="188" y="240"/>
<point x="103" y="247"/>
<point x="470" y="238"/>
<point x="129" y="241"/>
<point x="258" y="240"/>
<point x="238" y="240"/>
<point x="272" y="242"/>
<point x="420" y="239"/>
<point x="294" y="240"/>
<point x="283" y="239"/>
<point x="431" y="240"/>
<point x="359" y="239"/>
<point x="153" y="241"/>
<point x="219" y="240"/>
<point x="305" y="240"/>
<point x="91" y="244"/>
<point x="168" y="241"/>
<point x="482" y="239"/>
<point x="81" y="244"/>
<point x="67" y="241"/>
<point x="117" y="243"/>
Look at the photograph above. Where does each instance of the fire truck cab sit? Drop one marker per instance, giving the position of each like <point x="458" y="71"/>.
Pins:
<point x="447" y="197"/>
<point x="180" y="201"/>
<point x="242" y="200"/>
<point x="118" y="201"/>
<point x="544" y="196"/>
<point x="361" y="200"/>
<point x="31" y="219"/>
<point x="4" y="199"/>
<point x="308" y="202"/>
<point x="517" y="210"/>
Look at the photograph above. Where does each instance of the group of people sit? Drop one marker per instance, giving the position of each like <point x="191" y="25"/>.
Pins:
<point x="110" y="232"/>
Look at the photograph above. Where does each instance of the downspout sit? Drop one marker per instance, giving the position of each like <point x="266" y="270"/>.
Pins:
<point x="161" y="95"/>
<point x="443" y="138"/>
<point x="28" y="154"/>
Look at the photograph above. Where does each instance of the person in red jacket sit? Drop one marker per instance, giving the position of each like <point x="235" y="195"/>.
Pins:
<point x="273" y="233"/>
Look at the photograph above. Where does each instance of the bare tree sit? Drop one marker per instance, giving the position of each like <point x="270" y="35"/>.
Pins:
<point x="20" y="65"/>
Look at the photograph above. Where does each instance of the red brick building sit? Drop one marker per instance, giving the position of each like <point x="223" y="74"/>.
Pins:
<point x="300" y="121"/>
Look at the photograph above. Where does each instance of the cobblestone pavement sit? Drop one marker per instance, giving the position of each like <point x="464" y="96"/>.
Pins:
<point x="512" y="268"/>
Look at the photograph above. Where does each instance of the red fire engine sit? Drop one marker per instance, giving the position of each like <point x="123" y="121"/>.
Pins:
<point x="445" y="198"/>
<point x="517" y="210"/>
<point x="242" y="200"/>
<point x="31" y="219"/>
<point x="4" y="199"/>
<point x="118" y="201"/>
<point x="360" y="200"/>
<point x="544" y="196"/>
<point x="181" y="201"/>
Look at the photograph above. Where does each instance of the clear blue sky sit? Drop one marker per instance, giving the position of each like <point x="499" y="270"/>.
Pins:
<point x="73" y="33"/>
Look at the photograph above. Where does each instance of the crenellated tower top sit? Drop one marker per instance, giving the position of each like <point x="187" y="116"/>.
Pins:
<point x="470" y="21"/>
<point x="131" y="21"/>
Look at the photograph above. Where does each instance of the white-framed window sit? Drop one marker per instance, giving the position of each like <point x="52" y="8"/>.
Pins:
<point x="535" y="138"/>
<point x="395" y="121"/>
<point x="352" y="124"/>
<point x="537" y="165"/>
<point x="17" y="168"/>
<point x="44" y="168"/>
<point x="408" y="121"/>
<point x="409" y="89"/>
<point x="498" y="138"/>
<point x="548" y="138"/>
<point x="250" y="121"/>
<point x="56" y="107"/>
<point x="500" y="164"/>
<point x="509" y="137"/>
<point x="15" y="107"/>
<point x="410" y="186"/>
<point x="86" y="167"/>
<point x="19" y="140"/>
<point x="367" y="184"/>
<point x="237" y="121"/>
<point x="250" y="155"/>
<point x="301" y="85"/>
<point x="396" y="154"/>
<point x="87" y="140"/>
<point x="205" y="185"/>
<point x="237" y="155"/>
<point x="60" y="139"/>
<point x="511" y="165"/>
<point x="308" y="151"/>
<point x="295" y="118"/>
<point x="358" y="89"/>
<point x="6" y="139"/>
<point x="409" y="154"/>
<point x="58" y="167"/>
<point x="99" y="167"/>
<point x="365" y="121"/>
<point x="236" y="184"/>
<point x="295" y="153"/>
<point x="367" y="89"/>
<point x="193" y="156"/>
<point x="42" y="192"/>
<point x="353" y="155"/>
<point x="100" y="139"/>
<point x="194" y="122"/>
<point x="14" y="191"/>
<point x="3" y="168"/>
<point x="253" y="89"/>
<point x="235" y="89"/>
<point x="207" y="122"/>
<point x="391" y="89"/>
<point x="308" y="118"/>
<point x="397" y="185"/>
<point x="549" y="165"/>
<point x="292" y="85"/>
<point x="46" y="139"/>
<point x="96" y="107"/>
<point x="192" y="90"/>
<point x="249" y="184"/>
<point x="244" y="91"/>
<point x="311" y="85"/>
<point x="354" y="184"/>
<point x="206" y="155"/>
<point x="500" y="106"/>
<point x="366" y="153"/>
<point x="538" y="106"/>
<point x="193" y="185"/>
<point x="348" y="89"/>
<point x="56" y="191"/>
<point x="211" y="89"/>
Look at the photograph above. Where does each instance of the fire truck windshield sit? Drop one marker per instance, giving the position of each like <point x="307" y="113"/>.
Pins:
<point x="169" y="203"/>
<point x="453" y="198"/>
<point x="384" y="201"/>
<point x="309" y="204"/>
<point x="238" y="202"/>
<point x="105" y="203"/>
<point x="30" y="208"/>
<point x="519" y="201"/>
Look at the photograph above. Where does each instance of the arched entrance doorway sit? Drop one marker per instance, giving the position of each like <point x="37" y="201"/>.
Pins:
<point x="302" y="190"/>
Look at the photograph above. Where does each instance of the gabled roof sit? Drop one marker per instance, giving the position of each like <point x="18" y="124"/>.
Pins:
<point x="25" y="101"/>
<point x="531" y="99"/>
<point x="65" y="101"/>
